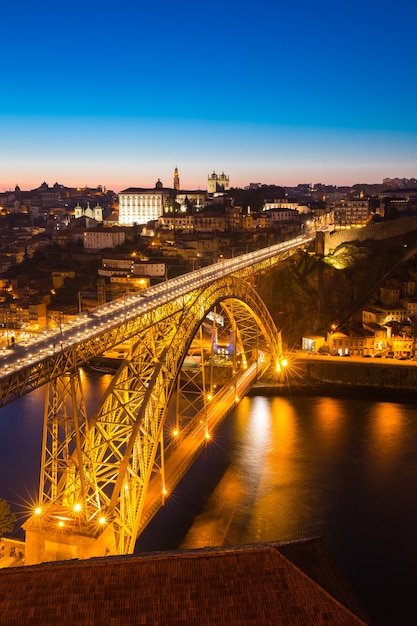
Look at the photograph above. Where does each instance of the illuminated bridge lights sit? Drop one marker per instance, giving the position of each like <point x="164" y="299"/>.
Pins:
<point x="61" y="521"/>
<point x="281" y="364"/>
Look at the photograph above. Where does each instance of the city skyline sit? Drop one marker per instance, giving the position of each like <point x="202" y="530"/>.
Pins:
<point x="281" y="95"/>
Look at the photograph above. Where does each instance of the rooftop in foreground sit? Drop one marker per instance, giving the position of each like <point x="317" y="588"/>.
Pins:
<point x="291" y="583"/>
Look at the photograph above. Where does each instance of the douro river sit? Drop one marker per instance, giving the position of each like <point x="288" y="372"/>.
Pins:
<point x="280" y="468"/>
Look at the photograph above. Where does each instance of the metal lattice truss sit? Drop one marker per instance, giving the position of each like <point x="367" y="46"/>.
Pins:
<point x="64" y="433"/>
<point x="107" y="467"/>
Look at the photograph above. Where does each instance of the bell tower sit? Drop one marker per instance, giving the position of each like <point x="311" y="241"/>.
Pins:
<point x="176" y="180"/>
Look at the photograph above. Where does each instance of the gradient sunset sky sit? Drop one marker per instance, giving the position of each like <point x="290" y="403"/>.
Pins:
<point x="118" y="94"/>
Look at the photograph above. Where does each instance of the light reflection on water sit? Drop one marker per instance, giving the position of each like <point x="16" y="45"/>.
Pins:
<point x="344" y="469"/>
<point x="386" y="435"/>
<point x="271" y="489"/>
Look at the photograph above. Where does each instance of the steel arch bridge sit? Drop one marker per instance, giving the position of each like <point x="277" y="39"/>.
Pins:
<point x="103" y="479"/>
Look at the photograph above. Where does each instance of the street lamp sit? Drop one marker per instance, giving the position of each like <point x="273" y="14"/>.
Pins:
<point x="58" y="323"/>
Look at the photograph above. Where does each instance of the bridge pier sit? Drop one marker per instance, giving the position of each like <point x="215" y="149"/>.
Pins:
<point x="45" y="543"/>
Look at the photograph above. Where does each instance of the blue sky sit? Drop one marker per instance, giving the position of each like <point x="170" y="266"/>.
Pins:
<point x="118" y="94"/>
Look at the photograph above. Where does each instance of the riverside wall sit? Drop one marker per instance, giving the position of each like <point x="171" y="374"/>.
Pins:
<point x="369" y="374"/>
<point x="329" y="241"/>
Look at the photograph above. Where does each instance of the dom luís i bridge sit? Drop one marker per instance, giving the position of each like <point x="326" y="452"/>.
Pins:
<point x="103" y="477"/>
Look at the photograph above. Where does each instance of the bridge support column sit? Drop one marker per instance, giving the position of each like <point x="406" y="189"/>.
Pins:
<point x="45" y="544"/>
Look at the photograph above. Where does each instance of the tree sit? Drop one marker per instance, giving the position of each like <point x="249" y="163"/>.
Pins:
<point x="190" y="205"/>
<point x="7" y="518"/>
<point x="172" y="206"/>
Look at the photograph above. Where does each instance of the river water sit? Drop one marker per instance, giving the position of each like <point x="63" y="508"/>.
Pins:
<point x="280" y="468"/>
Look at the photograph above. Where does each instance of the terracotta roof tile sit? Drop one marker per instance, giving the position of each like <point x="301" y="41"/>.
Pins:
<point x="248" y="585"/>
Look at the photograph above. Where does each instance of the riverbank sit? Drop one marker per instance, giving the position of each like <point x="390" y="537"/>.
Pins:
<point x="271" y="389"/>
<point x="376" y="379"/>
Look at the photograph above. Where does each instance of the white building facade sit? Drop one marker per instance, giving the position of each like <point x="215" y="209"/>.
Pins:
<point x="140" y="206"/>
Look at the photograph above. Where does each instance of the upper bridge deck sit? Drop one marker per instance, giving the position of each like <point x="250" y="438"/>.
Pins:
<point x="25" y="367"/>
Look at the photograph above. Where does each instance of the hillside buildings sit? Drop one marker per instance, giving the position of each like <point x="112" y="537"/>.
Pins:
<point x="183" y="227"/>
<point x="95" y="213"/>
<point x="351" y="213"/>
<point x="42" y="200"/>
<point x="140" y="205"/>
<point x="187" y="211"/>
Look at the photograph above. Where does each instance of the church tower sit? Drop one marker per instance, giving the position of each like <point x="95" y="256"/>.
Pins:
<point x="176" y="180"/>
<point x="217" y="183"/>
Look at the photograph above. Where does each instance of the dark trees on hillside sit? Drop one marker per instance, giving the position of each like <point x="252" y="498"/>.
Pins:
<point x="7" y="518"/>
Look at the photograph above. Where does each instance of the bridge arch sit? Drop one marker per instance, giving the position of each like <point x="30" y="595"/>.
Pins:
<point x="119" y="455"/>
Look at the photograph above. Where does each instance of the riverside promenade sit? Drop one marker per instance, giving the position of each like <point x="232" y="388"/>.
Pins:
<point x="359" y="371"/>
<point x="323" y="373"/>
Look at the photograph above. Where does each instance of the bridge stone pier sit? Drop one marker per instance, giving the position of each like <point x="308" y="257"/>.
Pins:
<point x="43" y="542"/>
